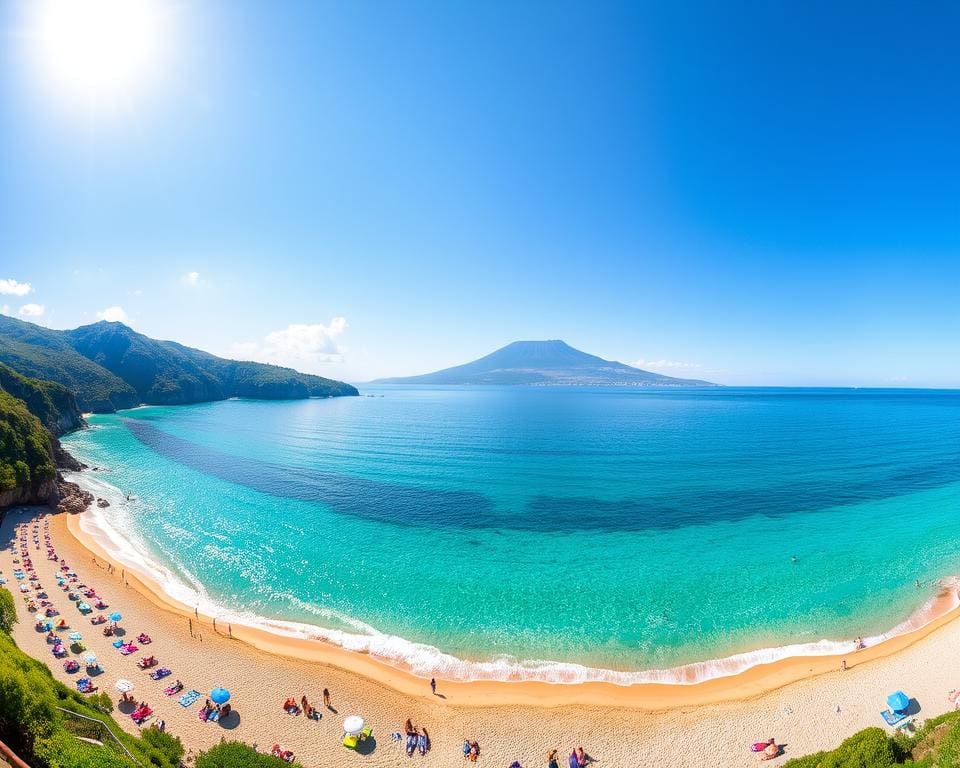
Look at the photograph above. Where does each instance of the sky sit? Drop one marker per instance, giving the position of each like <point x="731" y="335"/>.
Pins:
<point x="751" y="193"/>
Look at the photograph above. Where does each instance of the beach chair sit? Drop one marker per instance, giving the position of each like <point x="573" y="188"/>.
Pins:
<point x="350" y="740"/>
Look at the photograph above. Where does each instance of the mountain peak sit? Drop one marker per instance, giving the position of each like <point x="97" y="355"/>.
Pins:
<point x="546" y="363"/>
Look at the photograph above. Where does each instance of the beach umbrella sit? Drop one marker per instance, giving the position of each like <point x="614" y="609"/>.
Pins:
<point x="124" y="686"/>
<point x="353" y="725"/>
<point x="75" y="637"/>
<point x="90" y="658"/>
<point x="898" y="701"/>
<point x="83" y="606"/>
<point x="220" y="695"/>
<point x="115" y="617"/>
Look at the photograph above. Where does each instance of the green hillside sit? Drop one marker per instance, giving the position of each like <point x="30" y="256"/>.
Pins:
<point x="52" y="403"/>
<point x="46" y="354"/>
<point x="109" y="366"/>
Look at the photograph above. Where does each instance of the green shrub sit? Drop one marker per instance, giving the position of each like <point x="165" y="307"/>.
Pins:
<point x="165" y="745"/>
<point x="101" y="702"/>
<point x="8" y="610"/>
<point x="235" y="754"/>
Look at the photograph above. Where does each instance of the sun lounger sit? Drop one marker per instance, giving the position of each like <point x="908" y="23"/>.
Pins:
<point x="189" y="698"/>
<point x="350" y="741"/>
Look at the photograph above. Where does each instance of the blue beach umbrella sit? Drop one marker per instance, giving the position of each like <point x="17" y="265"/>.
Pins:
<point x="115" y="617"/>
<point x="76" y="636"/>
<point x="898" y="701"/>
<point x="220" y="695"/>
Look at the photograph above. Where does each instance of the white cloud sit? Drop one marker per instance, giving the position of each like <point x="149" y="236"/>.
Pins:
<point x="191" y="278"/>
<point x="662" y="365"/>
<point x="298" y="346"/>
<point x="31" y="310"/>
<point x="13" y="288"/>
<point x="113" y="315"/>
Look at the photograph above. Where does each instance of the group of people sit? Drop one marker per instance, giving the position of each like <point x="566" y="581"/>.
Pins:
<point x="69" y="581"/>
<point x="418" y="740"/>
<point x="211" y="712"/>
<point x="291" y="708"/>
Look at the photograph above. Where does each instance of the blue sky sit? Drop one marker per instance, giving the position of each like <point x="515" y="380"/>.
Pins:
<point x="755" y="193"/>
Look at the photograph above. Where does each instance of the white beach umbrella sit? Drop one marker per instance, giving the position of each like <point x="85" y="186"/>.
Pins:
<point x="124" y="686"/>
<point x="90" y="658"/>
<point x="353" y="725"/>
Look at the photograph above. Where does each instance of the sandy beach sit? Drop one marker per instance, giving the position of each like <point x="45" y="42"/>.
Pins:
<point x="808" y="704"/>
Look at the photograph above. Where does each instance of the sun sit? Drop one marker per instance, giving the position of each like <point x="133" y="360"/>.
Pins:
<point x="98" y="50"/>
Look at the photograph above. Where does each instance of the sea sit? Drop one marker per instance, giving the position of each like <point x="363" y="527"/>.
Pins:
<point x="537" y="533"/>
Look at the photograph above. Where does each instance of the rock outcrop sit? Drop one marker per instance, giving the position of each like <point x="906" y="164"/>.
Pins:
<point x="71" y="497"/>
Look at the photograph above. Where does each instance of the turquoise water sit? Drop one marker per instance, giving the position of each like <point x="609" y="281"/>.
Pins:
<point x="488" y="531"/>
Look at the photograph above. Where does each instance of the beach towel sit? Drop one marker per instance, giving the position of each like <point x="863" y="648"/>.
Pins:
<point x="128" y="649"/>
<point x="892" y="718"/>
<point x="160" y="673"/>
<point x="213" y="716"/>
<point x="203" y="714"/>
<point x="189" y="698"/>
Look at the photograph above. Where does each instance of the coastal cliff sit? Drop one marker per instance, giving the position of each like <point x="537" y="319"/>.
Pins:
<point x="32" y="414"/>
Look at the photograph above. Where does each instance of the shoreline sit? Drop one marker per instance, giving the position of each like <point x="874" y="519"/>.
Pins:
<point x="752" y="682"/>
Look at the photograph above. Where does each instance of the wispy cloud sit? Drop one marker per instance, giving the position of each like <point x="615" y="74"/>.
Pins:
<point x="190" y="278"/>
<point x="298" y="346"/>
<point x="10" y="287"/>
<point x="665" y="365"/>
<point x="113" y="315"/>
<point x="31" y="310"/>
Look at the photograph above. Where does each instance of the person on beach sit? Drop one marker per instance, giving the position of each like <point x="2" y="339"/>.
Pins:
<point x="843" y="665"/>
<point x="581" y="757"/>
<point x="771" y="751"/>
<point x="326" y="699"/>
<point x="433" y="685"/>
<point x="552" y="759"/>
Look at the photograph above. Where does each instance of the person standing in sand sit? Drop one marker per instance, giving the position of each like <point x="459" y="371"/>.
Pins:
<point x="326" y="698"/>
<point x="433" y="685"/>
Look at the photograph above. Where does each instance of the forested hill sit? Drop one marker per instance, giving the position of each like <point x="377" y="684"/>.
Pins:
<point x="109" y="366"/>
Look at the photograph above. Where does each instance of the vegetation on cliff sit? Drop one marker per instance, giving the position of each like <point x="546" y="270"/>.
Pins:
<point x="52" y="403"/>
<point x="109" y="366"/>
<point x="26" y="456"/>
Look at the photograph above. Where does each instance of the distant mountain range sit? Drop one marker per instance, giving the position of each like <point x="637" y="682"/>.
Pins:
<point x="109" y="366"/>
<point x="546" y="363"/>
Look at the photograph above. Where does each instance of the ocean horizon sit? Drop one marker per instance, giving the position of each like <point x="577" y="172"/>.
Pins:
<point x="564" y="534"/>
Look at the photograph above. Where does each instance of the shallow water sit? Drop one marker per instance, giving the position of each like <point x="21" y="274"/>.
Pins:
<point x="618" y="529"/>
